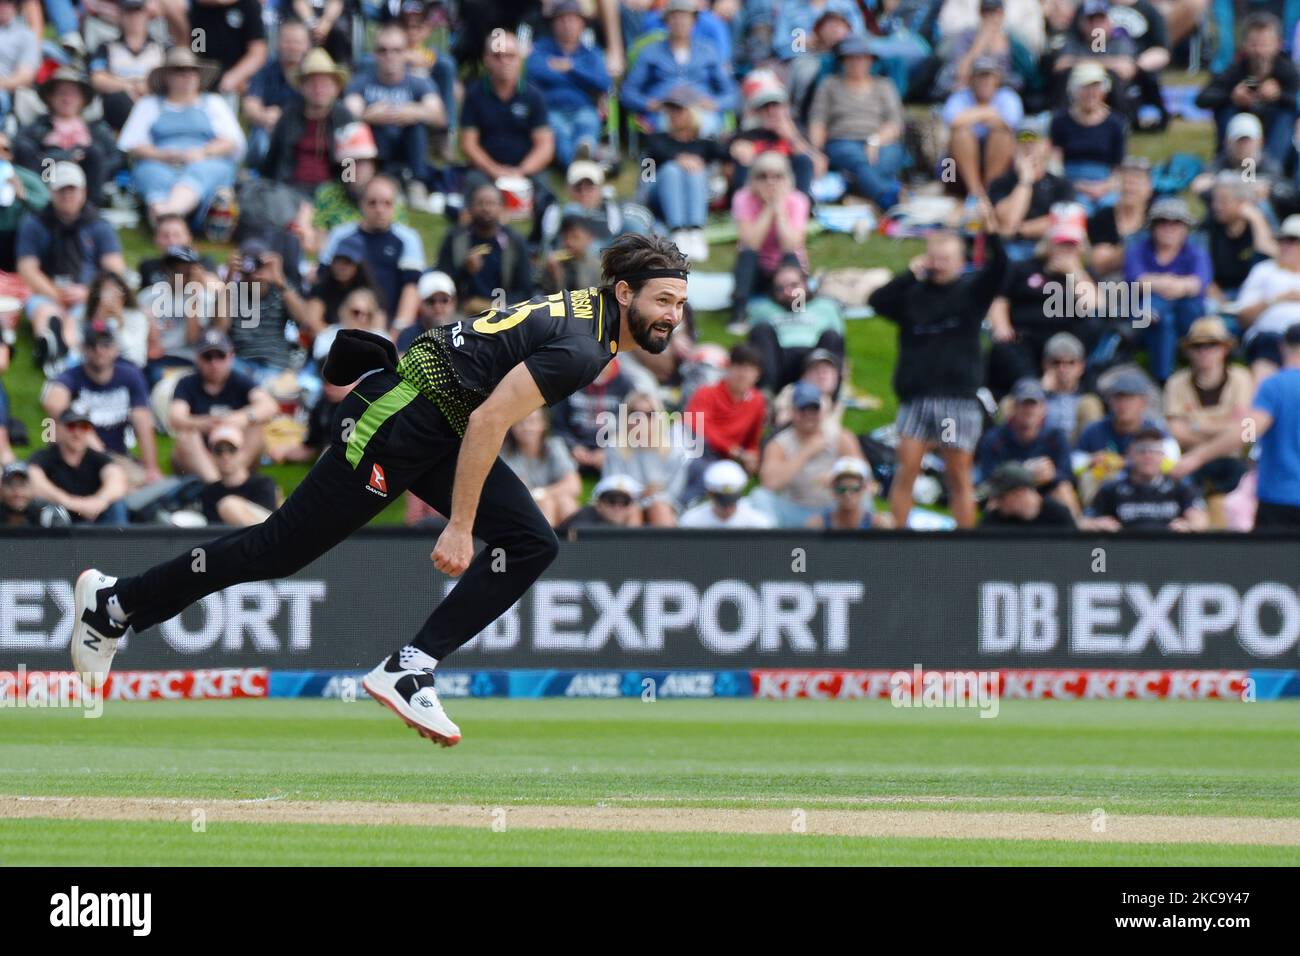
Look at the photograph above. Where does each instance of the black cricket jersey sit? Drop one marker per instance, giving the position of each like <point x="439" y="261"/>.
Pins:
<point x="564" y="339"/>
<point x="1144" y="506"/>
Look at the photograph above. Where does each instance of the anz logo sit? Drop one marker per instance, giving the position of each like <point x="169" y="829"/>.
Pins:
<point x="457" y="339"/>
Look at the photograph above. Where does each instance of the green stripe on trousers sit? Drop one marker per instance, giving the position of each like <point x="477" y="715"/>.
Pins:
<point x="381" y="410"/>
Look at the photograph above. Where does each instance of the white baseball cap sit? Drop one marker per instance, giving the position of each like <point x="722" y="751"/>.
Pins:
<point x="431" y="283"/>
<point x="624" y="483"/>
<point x="1244" y="126"/>
<point x="66" y="174"/>
<point x="585" y="169"/>
<point x="849" y="465"/>
<point x="725" y="478"/>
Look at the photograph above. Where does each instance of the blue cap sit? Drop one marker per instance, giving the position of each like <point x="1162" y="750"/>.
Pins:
<point x="806" y="394"/>
<point x="1128" y="382"/>
<point x="1029" y="390"/>
<point x="353" y="247"/>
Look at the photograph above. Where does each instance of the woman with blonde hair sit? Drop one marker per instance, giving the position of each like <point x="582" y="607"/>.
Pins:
<point x="650" y="447"/>
<point x="358" y="310"/>
<point x="771" y="218"/>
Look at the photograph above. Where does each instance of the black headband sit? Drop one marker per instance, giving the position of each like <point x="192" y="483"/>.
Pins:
<point x="654" y="274"/>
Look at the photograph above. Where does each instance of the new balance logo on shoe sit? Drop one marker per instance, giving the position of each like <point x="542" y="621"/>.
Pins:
<point x="378" y="483"/>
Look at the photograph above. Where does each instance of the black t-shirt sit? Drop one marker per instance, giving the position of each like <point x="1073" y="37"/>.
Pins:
<point x="1053" y="514"/>
<point x="939" y="329"/>
<point x="228" y="30"/>
<point x="83" y="480"/>
<point x="259" y="489"/>
<point x="1144" y="507"/>
<point x="1043" y="195"/>
<point x="1028" y="287"/>
<point x="235" y="394"/>
<point x="505" y="127"/>
<point x="565" y="339"/>
<point x="1102" y="142"/>
<point x="1232" y="258"/>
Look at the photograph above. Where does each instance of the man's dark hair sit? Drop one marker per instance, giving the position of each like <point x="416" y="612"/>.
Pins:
<point x="1260" y="21"/>
<point x="96" y="292"/>
<point x="631" y="253"/>
<point x="292" y="21"/>
<point x="742" y="353"/>
<point x="1148" y="434"/>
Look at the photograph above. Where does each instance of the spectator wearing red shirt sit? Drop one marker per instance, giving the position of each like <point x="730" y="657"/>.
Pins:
<point x="730" y="415"/>
<point x="303" y="147"/>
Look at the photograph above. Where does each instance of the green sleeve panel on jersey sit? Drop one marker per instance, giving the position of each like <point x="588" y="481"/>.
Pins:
<point x="380" y="410"/>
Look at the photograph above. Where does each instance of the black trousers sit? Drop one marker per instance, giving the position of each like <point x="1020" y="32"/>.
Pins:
<point x="376" y="452"/>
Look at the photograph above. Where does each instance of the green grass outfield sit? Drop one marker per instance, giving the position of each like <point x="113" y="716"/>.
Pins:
<point x="1210" y="759"/>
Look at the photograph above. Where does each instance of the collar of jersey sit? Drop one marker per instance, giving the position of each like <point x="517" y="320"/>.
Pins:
<point x="610" y="320"/>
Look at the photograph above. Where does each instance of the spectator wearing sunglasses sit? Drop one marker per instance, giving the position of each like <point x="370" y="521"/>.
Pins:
<point x="724" y="483"/>
<point x="359" y="310"/>
<point x="213" y="396"/>
<point x="72" y="474"/>
<point x="1177" y="270"/>
<point x="504" y="126"/>
<point x="1023" y="196"/>
<point x="795" y="472"/>
<point x="611" y="506"/>
<point x="114" y="397"/>
<point x="394" y="252"/>
<point x="854" y="507"/>
<point x="400" y="107"/>
<point x="237" y="497"/>
<point x="1208" y="397"/>
<point x="438" y="306"/>
<point x="1143" y="497"/>
<point x="1070" y="406"/>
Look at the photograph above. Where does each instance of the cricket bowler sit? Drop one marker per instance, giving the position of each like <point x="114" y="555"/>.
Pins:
<point x="432" y="423"/>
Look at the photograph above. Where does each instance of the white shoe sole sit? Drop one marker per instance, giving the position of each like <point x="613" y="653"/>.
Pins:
<point x="385" y="695"/>
<point x="93" y="664"/>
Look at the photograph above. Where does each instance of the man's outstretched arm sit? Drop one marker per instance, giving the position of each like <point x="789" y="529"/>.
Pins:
<point x="514" y="398"/>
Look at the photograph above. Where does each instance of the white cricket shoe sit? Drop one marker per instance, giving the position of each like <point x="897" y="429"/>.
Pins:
<point x="409" y="693"/>
<point x="94" y="632"/>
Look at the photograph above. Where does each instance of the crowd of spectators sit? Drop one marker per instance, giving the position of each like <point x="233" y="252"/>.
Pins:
<point x="1077" y="346"/>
